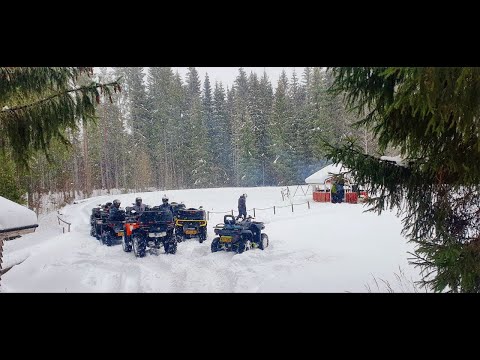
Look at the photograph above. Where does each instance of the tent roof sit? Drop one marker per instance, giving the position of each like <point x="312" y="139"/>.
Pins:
<point x="324" y="173"/>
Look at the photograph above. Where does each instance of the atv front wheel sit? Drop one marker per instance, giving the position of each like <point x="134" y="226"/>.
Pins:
<point x="215" y="244"/>
<point x="202" y="237"/>
<point x="98" y="233"/>
<point x="170" y="247"/>
<point x="263" y="242"/>
<point x="241" y="247"/>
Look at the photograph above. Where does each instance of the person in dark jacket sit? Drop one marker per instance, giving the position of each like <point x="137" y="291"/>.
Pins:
<point x="139" y="207"/>
<point x="340" y="190"/>
<point x="242" y="206"/>
<point x="115" y="214"/>
<point x="165" y="205"/>
<point x="106" y="207"/>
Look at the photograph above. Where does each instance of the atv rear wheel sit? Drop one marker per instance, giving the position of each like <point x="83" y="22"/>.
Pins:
<point x="138" y="245"/>
<point x="126" y="243"/>
<point x="104" y="238"/>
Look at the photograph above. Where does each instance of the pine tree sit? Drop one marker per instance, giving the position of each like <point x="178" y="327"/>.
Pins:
<point x="431" y="116"/>
<point x="37" y="105"/>
<point x="230" y="152"/>
<point x="239" y="119"/>
<point x="180" y="157"/>
<point x="207" y="106"/>
<point x="264" y="141"/>
<point x="160" y="104"/>
<point x="249" y="169"/>
<point x="221" y="138"/>
<point x="281" y="129"/>
<point x="196" y="136"/>
<point x="9" y="181"/>
<point x="140" y="123"/>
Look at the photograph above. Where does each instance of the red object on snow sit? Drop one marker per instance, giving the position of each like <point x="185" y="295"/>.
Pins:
<point x="321" y="196"/>
<point x="351" y="197"/>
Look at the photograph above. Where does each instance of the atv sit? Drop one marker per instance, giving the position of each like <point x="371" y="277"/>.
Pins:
<point x="97" y="219"/>
<point x="153" y="228"/>
<point x="113" y="230"/>
<point x="176" y="207"/>
<point x="191" y="223"/>
<point x="239" y="236"/>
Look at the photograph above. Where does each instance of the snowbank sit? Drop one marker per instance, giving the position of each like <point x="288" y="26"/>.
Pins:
<point x="324" y="248"/>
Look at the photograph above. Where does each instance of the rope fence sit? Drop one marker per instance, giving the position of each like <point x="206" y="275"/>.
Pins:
<point x="260" y="209"/>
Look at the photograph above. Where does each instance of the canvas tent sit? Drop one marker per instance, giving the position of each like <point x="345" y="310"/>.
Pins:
<point x="321" y="183"/>
<point x="325" y="173"/>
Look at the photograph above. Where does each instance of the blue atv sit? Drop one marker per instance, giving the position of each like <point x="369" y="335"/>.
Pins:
<point x="239" y="236"/>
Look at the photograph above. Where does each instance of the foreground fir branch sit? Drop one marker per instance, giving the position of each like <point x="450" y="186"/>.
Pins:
<point x="431" y="115"/>
<point x="37" y="105"/>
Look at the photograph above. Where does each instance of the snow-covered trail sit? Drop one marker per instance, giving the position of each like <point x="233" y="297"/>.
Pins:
<point x="327" y="248"/>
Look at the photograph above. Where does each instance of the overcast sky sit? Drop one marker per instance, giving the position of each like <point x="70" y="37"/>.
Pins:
<point x="227" y="75"/>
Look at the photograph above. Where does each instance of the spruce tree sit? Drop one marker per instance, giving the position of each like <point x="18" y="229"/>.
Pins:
<point x="37" y="105"/>
<point x="222" y="136"/>
<point x="431" y="116"/>
<point x="196" y="136"/>
<point x="281" y="129"/>
<point x="240" y="114"/>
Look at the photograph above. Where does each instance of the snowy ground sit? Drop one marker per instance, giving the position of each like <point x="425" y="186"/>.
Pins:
<point x="327" y="248"/>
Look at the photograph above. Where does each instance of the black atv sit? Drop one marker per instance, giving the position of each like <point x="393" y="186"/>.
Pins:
<point x="153" y="228"/>
<point x="97" y="220"/>
<point x="176" y="207"/>
<point x="113" y="230"/>
<point x="191" y="223"/>
<point x="239" y="236"/>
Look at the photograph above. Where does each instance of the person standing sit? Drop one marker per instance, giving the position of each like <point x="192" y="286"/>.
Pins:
<point x="242" y="206"/>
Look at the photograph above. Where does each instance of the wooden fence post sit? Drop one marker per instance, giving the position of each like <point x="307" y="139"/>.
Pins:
<point x="308" y="202"/>
<point x="253" y="212"/>
<point x="208" y="215"/>
<point x="292" y="207"/>
<point x="273" y="209"/>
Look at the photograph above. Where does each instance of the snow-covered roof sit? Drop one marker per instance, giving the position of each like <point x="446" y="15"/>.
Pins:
<point x="323" y="174"/>
<point x="13" y="215"/>
<point x="396" y="159"/>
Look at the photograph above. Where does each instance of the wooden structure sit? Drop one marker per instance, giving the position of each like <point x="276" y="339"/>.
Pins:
<point x="321" y="183"/>
<point x="15" y="220"/>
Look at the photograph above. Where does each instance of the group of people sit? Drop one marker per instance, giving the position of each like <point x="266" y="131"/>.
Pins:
<point x="338" y="190"/>
<point x="115" y="214"/>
